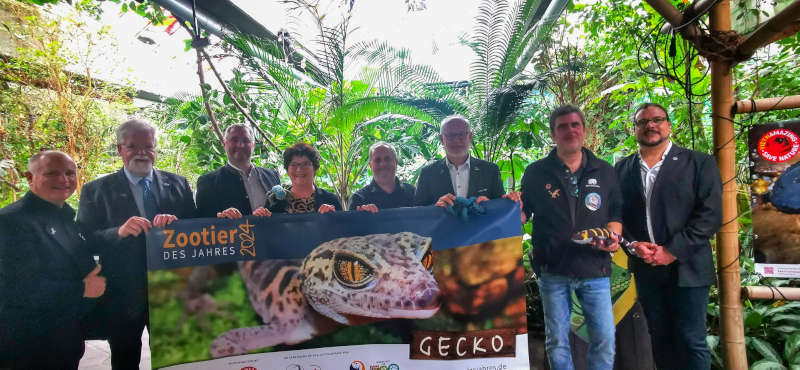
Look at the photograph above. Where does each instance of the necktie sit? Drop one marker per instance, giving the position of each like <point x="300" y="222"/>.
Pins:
<point x="148" y="200"/>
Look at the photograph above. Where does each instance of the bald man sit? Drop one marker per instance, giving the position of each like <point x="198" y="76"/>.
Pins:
<point x="47" y="277"/>
<point x="458" y="174"/>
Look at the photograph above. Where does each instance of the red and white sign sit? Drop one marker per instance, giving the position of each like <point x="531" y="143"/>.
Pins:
<point x="779" y="145"/>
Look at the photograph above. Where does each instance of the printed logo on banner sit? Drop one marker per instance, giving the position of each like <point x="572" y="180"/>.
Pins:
<point x="778" y="145"/>
<point x="249" y="368"/>
<point x="315" y="367"/>
<point x="394" y="367"/>
<point x="357" y="365"/>
<point x="209" y="242"/>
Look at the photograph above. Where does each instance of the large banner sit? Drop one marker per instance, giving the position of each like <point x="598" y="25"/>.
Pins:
<point x="410" y="288"/>
<point x="775" y="197"/>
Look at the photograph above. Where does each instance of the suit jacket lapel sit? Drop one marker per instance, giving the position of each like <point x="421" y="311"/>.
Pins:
<point x="164" y="189"/>
<point x="669" y="168"/>
<point x="444" y="173"/>
<point x="63" y="240"/>
<point x="474" y="173"/>
<point x="636" y="176"/>
<point x="122" y="198"/>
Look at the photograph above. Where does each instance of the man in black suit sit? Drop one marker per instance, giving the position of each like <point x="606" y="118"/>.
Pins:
<point x="458" y="174"/>
<point x="673" y="206"/>
<point x="46" y="272"/>
<point x="120" y="208"/>
<point x="238" y="184"/>
<point x="385" y="190"/>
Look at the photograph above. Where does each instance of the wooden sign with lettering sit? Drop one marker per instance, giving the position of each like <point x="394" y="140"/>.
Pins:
<point x="443" y="345"/>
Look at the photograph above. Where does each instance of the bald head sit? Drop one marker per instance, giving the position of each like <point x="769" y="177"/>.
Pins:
<point x="52" y="176"/>
<point x="456" y="137"/>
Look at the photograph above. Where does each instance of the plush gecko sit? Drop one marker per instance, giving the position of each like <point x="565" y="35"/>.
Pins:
<point x="602" y="234"/>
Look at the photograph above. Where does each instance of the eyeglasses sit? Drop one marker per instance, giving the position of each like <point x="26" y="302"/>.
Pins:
<point x="644" y="121"/>
<point x="456" y="136"/>
<point x="300" y="164"/>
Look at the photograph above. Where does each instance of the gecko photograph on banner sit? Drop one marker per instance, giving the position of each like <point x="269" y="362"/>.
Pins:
<point x="407" y="288"/>
<point x="775" y="197"/>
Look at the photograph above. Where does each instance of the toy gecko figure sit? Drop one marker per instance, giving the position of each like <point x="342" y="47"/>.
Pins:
<point x="345" y="281"/>
<point x="602" y="234"/>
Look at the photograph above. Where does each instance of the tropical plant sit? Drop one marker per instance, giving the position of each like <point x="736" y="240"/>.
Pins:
<point x="506" y="36"/>
<point x="47" y="106"/>
<point x="340" y="116"/>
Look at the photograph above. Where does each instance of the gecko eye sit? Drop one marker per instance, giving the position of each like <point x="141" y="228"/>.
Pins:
<point x="352" y="271"/>
<point x="427" y="260"/>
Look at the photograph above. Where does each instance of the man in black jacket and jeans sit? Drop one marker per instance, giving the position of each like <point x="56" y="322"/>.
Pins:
<point x="568" y="191"/>
<point x="673" y="206"/>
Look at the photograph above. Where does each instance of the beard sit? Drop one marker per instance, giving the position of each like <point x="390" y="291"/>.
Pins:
<point x="644" y="142"/>
<point x="141" y="167"/>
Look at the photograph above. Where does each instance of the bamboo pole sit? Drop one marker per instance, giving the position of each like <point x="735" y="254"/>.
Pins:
<point x="730" y="307"/>
<point x="768" y="104"/>
<point x="779" y="24"/>
<point x="771" y="293"/>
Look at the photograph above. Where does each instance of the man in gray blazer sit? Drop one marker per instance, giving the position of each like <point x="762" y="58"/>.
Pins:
<point x="672" y="205"/>
<point x="458" y="174"/>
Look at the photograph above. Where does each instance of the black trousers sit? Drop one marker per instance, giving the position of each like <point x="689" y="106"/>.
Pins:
<point x="60" y="349"/>
<point x="120" y="320"/>
<point x="125" y="340"/>
<point x="676" y="317"/>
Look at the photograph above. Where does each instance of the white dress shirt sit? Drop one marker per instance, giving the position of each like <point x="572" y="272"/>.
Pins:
<point x="459" y="177"/>
<point x="256" y="193"/>
<point x="649" y="176"/>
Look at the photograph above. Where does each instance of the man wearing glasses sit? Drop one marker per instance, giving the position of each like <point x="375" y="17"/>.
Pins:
<point x="239" y="184"/>
<point x="458" y="174"/>
<point x="568" y="191"/>
<point x="122" y="207"/>
<point x="672" y="206"/>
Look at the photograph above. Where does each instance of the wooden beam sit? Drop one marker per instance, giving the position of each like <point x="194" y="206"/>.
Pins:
<point x="675" y="18"/>
<point x="771" y="293"/>
<point x="768" y="104"/>
<point x="785" y="21"/>
<point x="698" y="7"/>
<point x="730" y="305"/>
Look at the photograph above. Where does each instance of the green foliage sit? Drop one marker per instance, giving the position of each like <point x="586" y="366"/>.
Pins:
<point x="770" y="327"/>
<point x="46" y="106"/>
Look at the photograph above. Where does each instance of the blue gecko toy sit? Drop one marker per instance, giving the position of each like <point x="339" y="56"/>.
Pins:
<point x="464" y="207"/>
<point x="279" y="191"/>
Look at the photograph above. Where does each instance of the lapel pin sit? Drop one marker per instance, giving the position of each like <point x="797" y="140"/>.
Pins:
<point x="52" y="231"/>
<point x="674" y="158"/>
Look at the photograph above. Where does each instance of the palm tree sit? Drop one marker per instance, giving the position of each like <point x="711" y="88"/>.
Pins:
<point x="506" y="36"/>
<point x="337" y="115"/>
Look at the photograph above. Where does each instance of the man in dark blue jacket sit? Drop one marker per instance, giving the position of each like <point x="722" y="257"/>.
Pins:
<point x="121" y="208"/>
<point x="385" y="190"/>
<point x="568" y="191"/>
<point x="673" y="206"/>
<point x="46" y="271"/>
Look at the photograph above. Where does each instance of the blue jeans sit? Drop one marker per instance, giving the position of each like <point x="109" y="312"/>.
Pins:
<point x="594" y="296"/>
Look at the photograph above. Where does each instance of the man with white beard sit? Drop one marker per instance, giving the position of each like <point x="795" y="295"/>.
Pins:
<point x="122" y="207"/>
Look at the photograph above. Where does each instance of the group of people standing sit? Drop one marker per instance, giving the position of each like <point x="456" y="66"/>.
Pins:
<point x="667" y="198"/>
